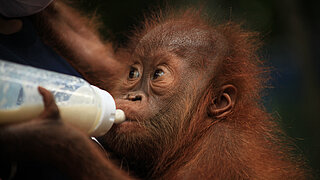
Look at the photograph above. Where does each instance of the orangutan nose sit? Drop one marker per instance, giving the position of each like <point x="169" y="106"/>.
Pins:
<point x="134" y="97"/>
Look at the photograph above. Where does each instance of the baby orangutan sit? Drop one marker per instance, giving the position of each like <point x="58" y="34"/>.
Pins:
<point x="190" y="90"/>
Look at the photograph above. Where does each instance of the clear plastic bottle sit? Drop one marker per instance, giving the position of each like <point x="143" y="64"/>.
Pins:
<point x="81" y="104"/>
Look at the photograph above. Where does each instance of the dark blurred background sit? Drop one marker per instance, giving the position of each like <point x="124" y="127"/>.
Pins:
<point x="290" y="30"/>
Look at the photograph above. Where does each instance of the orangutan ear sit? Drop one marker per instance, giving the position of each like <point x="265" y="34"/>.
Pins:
<point x="224" y="103"/>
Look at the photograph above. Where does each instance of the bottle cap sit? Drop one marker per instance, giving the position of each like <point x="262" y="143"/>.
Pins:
<point x="108" y="112"/>
<point x="120" y="116"/>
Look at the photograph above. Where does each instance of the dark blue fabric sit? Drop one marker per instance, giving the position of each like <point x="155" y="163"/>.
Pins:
<point x="26" y="47"/>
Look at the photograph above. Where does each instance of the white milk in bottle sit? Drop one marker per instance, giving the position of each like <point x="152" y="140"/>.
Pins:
<point x="80" y="104"/>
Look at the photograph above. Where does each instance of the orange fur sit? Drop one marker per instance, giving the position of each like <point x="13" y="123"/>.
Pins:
<point x="248" y="143"/>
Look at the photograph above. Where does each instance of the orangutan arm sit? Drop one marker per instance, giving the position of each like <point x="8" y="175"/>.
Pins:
<point x="75" y="38"/>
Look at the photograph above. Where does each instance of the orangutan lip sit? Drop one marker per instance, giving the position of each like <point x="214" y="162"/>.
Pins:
<point x="130" y="120"/>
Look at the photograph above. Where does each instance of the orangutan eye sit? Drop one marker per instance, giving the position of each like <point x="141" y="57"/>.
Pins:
<point x="134" y="73"/>
<point x="158" y="73"/>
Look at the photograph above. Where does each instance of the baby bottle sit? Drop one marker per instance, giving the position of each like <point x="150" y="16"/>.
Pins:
<point x="83" y="105"/>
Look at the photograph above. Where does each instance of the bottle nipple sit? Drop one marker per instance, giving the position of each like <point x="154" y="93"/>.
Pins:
<point x="120" y="116"/>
